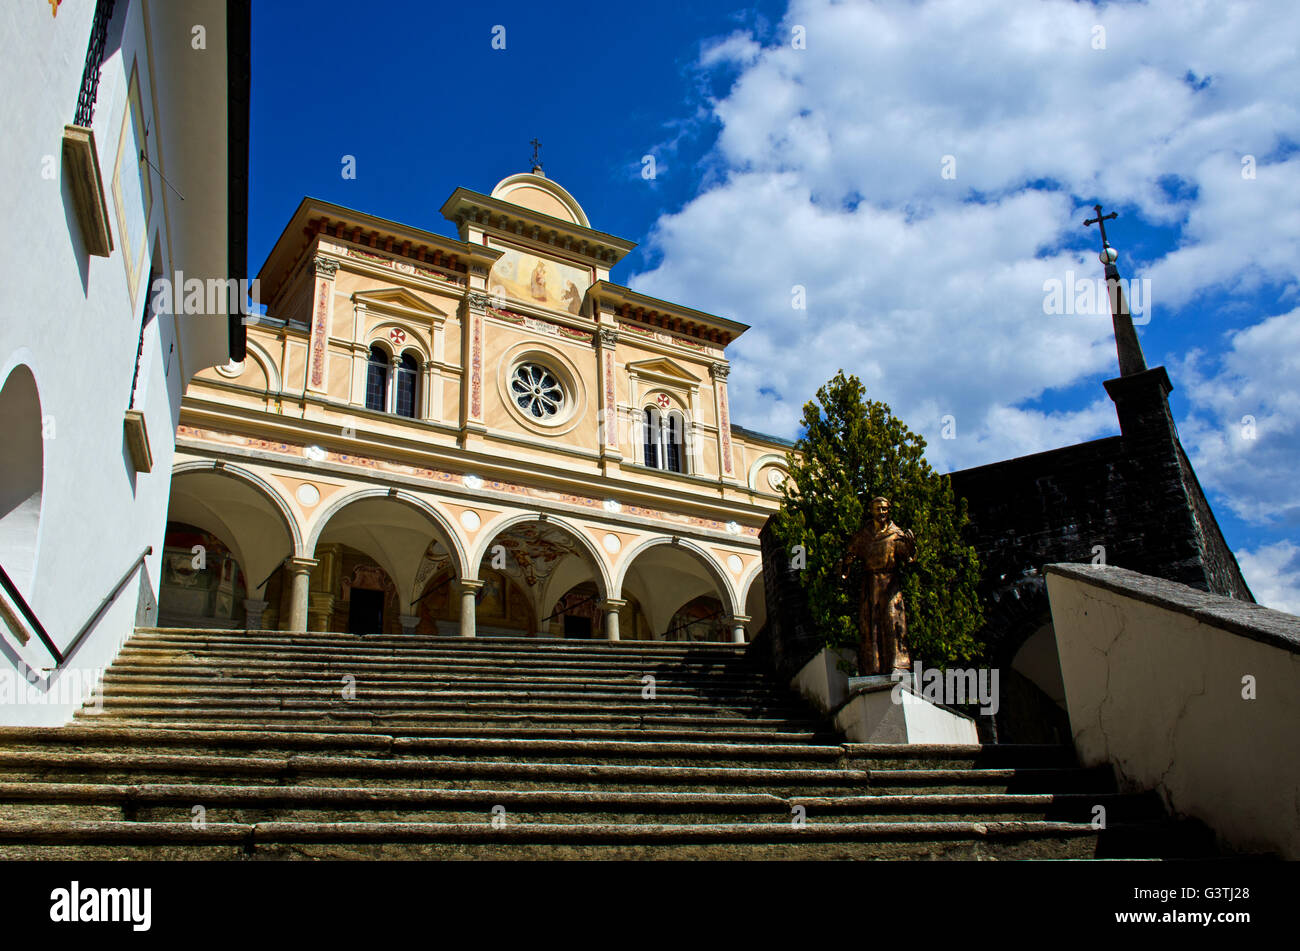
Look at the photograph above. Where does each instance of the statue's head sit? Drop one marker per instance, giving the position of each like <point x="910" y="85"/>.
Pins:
<point x="880" y="509"/>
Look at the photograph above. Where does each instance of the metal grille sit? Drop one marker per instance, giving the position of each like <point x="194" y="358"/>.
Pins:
<point x="94" y="59"/>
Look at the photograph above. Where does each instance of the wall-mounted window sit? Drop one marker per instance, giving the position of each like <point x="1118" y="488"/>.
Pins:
<point x="664" y="438"/>
<point x="377" y="379"/>
<point x="406" y="370"/>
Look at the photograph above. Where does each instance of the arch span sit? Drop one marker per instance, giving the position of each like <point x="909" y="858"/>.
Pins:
<point x="725" y="590"/>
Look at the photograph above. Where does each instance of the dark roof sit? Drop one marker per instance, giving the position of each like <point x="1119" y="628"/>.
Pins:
<point x="753" y="434"/>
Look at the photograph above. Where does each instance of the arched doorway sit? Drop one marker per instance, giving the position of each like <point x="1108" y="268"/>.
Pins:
<point x="544" y="562"/>
<point x="247" y="523"/>
<point x="381" y="560"/>
<point x="682" y="592"/>
<point x="202" y="583"/>
<point x="22" y="475"/>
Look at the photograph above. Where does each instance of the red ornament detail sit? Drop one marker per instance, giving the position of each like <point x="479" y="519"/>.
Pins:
<point x="663" y="401"/>
<point x="397" y="335"/>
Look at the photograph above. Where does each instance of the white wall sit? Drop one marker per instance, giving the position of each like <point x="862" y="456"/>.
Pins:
<point x="1157" y="679"/>
<point x="71" y="318"/>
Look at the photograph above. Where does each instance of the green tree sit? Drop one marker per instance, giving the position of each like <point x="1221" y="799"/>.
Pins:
<point x="852" y="450"/>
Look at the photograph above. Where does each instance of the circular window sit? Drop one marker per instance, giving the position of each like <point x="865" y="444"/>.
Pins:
<point x="537" y="391"/>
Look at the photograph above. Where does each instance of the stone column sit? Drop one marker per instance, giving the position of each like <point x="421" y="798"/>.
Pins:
<point x="469" y="589"/>
<point x="254" y="611"/>
<point x="299" y="570"/>
<point x="611" y="607"/>
<point x="409" y="622"/>
<point x="393" y="364"/>
<point x="737" y="623"/>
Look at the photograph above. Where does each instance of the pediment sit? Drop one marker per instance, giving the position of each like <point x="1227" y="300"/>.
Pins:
<point x="397" y="300"/>
<point x="663" y="369"/>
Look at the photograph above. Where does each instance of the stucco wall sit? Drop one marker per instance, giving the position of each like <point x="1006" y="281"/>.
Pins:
<point x="74" y="319"/>
<point x="1192" y="694"/>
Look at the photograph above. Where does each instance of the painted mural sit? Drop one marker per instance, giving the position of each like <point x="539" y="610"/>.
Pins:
<point x="535" y="280"/>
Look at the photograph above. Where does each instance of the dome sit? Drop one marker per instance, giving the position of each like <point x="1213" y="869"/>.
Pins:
<point x="538" y="193"/>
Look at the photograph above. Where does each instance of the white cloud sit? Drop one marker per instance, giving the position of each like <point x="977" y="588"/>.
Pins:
<point x="931" y="289"/>
<point x="1273" y="573"/>
<point x="1244" y="427"/>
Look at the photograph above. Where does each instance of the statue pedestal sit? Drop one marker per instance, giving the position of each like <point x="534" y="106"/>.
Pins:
<point x="885" y="709"/>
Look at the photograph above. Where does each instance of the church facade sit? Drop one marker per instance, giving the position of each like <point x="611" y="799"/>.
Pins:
<point x="480" y="435"/>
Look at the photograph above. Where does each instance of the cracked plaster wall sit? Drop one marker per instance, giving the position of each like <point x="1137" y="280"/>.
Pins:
<point x="1158" y="694"/>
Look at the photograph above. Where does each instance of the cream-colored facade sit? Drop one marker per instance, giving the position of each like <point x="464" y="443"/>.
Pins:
<point x="514" y="475"/>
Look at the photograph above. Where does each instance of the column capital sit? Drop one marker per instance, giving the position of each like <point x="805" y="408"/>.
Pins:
<point x="477" y="300"/>
<point x="300" y="565"/>
<point x="613" y="604"/>
<point x="322" y="266"/>
<point x="719" y="371"/>
<point x="606" y="338"/>
<point x="466" y="585"/>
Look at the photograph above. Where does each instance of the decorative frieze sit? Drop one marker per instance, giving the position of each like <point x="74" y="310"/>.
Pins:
<point x="377" y="464"/>
<point x="404" y="267"/>
<point x="538" y="325"/>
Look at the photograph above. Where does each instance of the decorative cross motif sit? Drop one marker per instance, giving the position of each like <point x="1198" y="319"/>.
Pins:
<point x="397" y="335"/>
<point x="1100" y="222"/>
<point x="537" y="146"/>
<point x="663" y="400"/>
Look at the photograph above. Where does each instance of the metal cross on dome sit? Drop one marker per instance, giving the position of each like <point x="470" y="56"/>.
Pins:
<point x="663" y="400"/>
<point x="397" y="335"/>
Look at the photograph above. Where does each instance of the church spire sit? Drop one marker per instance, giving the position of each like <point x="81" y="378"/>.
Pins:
<point x="1131" y="360"/>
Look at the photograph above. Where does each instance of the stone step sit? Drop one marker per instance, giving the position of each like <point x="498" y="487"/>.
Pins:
<point x="350" y="718"/>
<point x="470" y="729"/>
<point x="199" y="677"/>
<point x="1005" y="839"/>
<point x="446" y="649"/>
<point x="254" y="706"/>
<point x="854" y="755"/>
<point x="241" y="803"/>
<point x="552" y="645"/>
<point x="576" y="751"/>
<point x="399" y="694"/>
<point x="69" y="766"/>
<point x="269" y="659"/>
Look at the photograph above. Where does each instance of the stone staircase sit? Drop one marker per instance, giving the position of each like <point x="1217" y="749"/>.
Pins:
<point x="229" y="744"/>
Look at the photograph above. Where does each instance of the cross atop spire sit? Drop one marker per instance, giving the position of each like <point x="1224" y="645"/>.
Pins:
<point x="1100" y="222"/>
<point x="1131" y="360"/>
<point x="537" y="160"/>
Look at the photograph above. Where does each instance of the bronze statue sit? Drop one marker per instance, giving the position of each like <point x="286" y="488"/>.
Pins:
<point x="883" y="549"/>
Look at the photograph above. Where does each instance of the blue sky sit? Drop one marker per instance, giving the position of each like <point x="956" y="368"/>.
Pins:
<point x="920" y="169"/>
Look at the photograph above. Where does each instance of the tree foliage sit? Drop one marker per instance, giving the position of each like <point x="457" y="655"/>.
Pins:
<point x="852" y="450"/>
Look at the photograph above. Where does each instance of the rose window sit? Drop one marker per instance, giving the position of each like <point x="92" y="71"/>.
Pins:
<point x="536" y="390"/>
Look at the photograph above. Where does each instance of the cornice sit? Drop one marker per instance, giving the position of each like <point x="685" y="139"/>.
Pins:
<point x="502" y="218"/>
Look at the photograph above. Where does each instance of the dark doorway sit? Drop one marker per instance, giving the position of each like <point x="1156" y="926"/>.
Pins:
<point x="366" y="612"/>
<point x="577" y="626"/>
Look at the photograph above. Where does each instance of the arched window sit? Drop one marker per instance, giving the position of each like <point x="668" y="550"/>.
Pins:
<point x="651" y="431"/>
<point x="406" y="376"/>
<point x="673" y="443"/>
<point x="377" y="379"/>
<point x="665" y="440"/>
